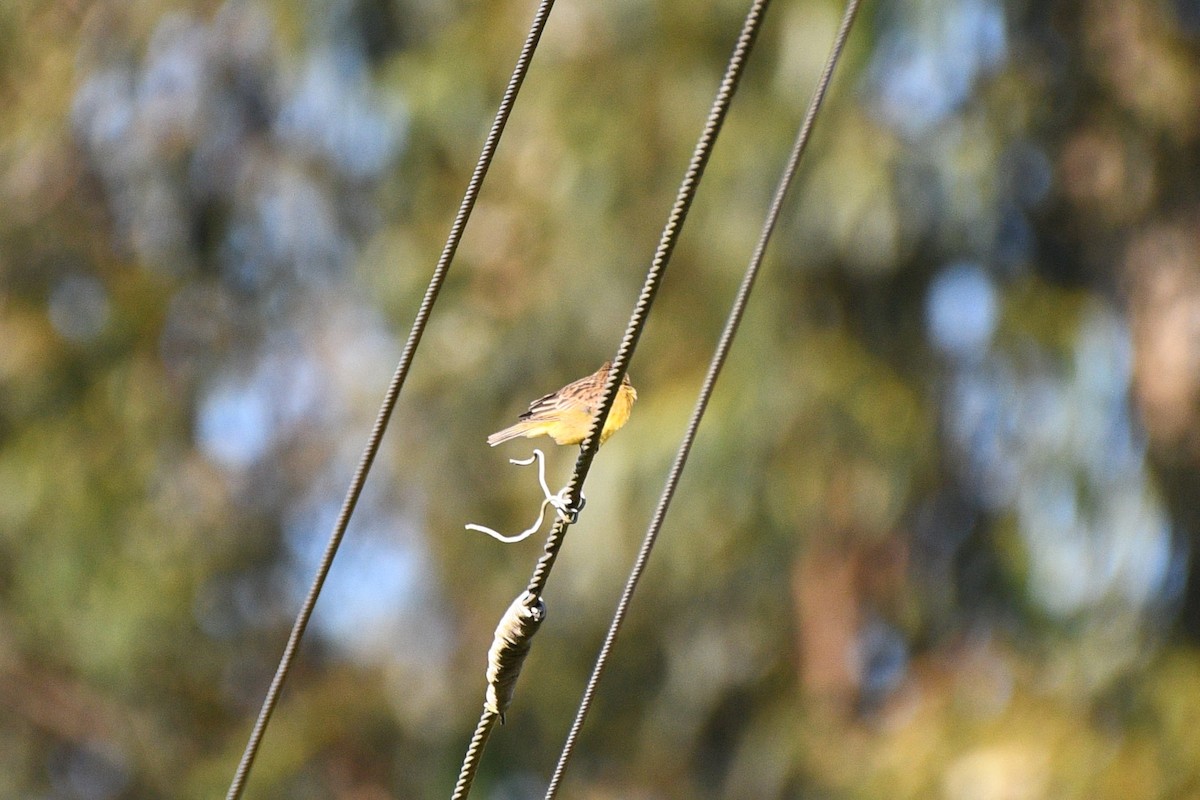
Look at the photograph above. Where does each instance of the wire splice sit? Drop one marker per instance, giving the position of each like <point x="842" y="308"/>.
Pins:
<point x="513" y="638"/>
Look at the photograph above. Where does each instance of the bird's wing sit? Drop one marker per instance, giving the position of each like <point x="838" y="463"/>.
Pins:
<point x="549" y="404"/>
<point x="577" y="395"/>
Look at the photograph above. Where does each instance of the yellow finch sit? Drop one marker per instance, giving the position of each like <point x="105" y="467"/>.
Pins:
<point x="566" y="415"/>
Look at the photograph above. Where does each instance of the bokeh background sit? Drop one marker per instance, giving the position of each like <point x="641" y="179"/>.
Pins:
<point x="937" y="536"/>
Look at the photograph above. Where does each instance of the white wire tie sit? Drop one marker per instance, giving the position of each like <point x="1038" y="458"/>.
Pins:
<point x="556" y="499"/>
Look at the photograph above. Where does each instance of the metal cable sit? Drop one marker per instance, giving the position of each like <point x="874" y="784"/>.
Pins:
<point x="633" y="332"/>
<point x="393" y="392"/>
<point x="714" y="370"/>
<point x="466" y="776"/>
<point x="654" y="276"/>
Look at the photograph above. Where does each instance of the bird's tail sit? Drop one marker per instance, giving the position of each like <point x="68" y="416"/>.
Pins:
<point x="513" y="432"/>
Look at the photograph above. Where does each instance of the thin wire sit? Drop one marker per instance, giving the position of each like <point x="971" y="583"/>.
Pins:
<point x="390" y="397"/>
<point x="714" y="370"/>
<point x="633" y="332"/>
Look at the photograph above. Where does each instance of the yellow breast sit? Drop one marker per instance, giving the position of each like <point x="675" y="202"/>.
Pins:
<point x="618" y="415"/>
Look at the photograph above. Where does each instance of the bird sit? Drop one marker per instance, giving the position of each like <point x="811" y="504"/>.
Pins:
<point x="566" y="415"/>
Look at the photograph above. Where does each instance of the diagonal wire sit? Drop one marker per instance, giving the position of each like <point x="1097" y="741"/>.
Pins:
<point x="393" y="391"/>
<point x="470" y="767"/>
<point x="714" y="370"/>
<point x="654" y="276"/>
<point x="633" y="332"/>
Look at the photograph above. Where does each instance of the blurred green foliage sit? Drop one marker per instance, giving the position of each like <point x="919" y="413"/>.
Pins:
<point x="936" y="536"/>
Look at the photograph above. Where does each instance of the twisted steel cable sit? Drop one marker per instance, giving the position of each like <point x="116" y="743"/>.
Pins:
<point x="393" y="391"/>
<point x="714" y="369"/>
<point x="637" y="322"/>
<point x="654" y="276"/>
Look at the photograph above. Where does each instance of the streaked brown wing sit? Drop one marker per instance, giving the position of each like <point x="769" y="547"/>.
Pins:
<point x="542" y="405"/>
<point x="573" y="395"/>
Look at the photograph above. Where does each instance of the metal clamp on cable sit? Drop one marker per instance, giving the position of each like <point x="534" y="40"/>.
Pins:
<point x="513" y="638"/>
